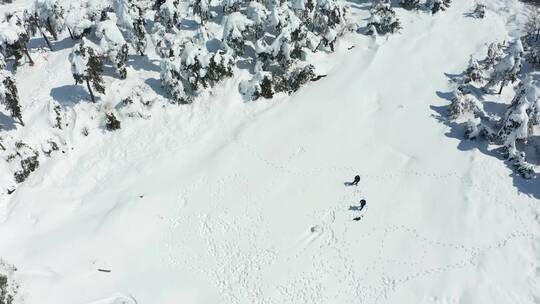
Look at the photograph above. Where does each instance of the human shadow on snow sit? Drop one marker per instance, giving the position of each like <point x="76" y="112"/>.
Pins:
<point x="530" y="187"/>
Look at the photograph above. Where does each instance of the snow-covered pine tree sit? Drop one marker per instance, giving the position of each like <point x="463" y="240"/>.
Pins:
<point x="464" y="106"/>
<point x="494" y="54"/>
<point x="112" y="44"/>
<point x="200" y="9"/>
<point x="438" y="5"/>
<point x="171" y="81"/>
<point x="138" y="38"/>
<point x="328" y="21"/>
<point x="14" y="38"/>
<point x="520" y="118"/>
<point x="86" y="67"/>
<point x="51" y="15"/>
<point x="9" y="95"/>
<point x="474" y="72"/>
<point x="79" y="20"/>
<point x="230" y="6"/>
<point x="383" y="19"/>
<point x="168" y="15"/>
<point x="123" y="14"/>
<point x="130" y="18"/>
<point x="508" y="68"/>
<point x="304" y="9"/>
<point x="257" y="13"/>
<point x="409" y="4"/>
<point x="111" y="122"/>
<point x="236" y="29"/>
<point x="300" y="76"/>
<point x="33" y="26"/>
<point x="156" y="4"/>
<point x="219" y="67"/>
<point x="479" y="11"/>
<point x="532" y="27"/>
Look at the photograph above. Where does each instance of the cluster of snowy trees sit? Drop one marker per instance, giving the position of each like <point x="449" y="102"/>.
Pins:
<point x="383" y="19"/>
<point x="505" y="64"/>
<point x="9" y="96"/>
<point x="272" y="37"/>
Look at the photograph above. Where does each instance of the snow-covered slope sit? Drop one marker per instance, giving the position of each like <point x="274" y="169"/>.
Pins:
<point x="223" y="201"/>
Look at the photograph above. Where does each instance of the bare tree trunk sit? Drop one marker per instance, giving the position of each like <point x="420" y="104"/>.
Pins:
<point x="502" y="86"/>
<point x="2" y="147"/>
<point x="28" y="55"/>
<point x="90" y="90"/>
<point x="45" y="37"/>
<point x="71" y="34"/>
<point x="53" y="32"/>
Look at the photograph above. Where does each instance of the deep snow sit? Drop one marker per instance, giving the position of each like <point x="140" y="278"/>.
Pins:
<point x="223" y="201"/>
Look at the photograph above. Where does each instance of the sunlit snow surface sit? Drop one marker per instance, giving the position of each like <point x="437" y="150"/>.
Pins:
<point x="230" y="202"/>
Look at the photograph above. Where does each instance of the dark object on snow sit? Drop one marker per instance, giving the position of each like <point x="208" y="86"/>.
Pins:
<point x="9" y="191"/>
<point x="112" y="122"/>
<point x="356" y="180"/>
<point x="351" y="47"/>
<point x="318" y="77"/>
<point x="104" y="270"/>
<point x="358" y="218"/>
<point x="362" y="204"/>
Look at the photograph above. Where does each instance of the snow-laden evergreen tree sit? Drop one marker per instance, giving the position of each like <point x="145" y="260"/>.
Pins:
<point x="261" y="85"/>
<point x="14" y="38"/>
<point x="201" y="9"/>
<point x="521" y="117"/>
<point x="78" y="19"/>
<point x="230" y="6"/>
<point x="236" y="29"/>
<point x="112" y="44"/>
<point x="111" y="122"/>
<point x="130" y="18"/>
<point x="532" y="38"/>
<point x="409" y="4"/>
<point x="51" y="14"/>
<point x="438" y="5"/>
<point x="479" y="11"/>
<point x="168" y="15"/>
<point x="138" y="37"/>
<point x="508" y="68"/>
<point x="532" y="27"/>
<point x="464" y="106"/>
<point x="86" y="67"/>
<point x="9" y="95"/>
<point x="494" y="55"/>
<point x="172" y="82"/>
<point x="123" y="13"/>
<point x="474" y="72"/>
<point x="257" y="13"/>
<point x="383" y="19"/>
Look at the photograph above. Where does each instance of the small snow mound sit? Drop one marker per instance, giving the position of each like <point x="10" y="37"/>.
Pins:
<point x="116" y="299"/>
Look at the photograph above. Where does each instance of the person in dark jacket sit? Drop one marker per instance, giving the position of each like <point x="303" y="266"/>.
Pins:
<point x="362" y="204"/>
<point x="356" y="180"/>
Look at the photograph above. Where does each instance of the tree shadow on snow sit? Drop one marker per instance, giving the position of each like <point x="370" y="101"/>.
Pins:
<point x="155" y="85"/>
<point x="142" y="63"/>
<point x="66" y="43"/>
<point x="69" y="95"/>
<point x="529" y="187"/>
<point x="6" y="122"/>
